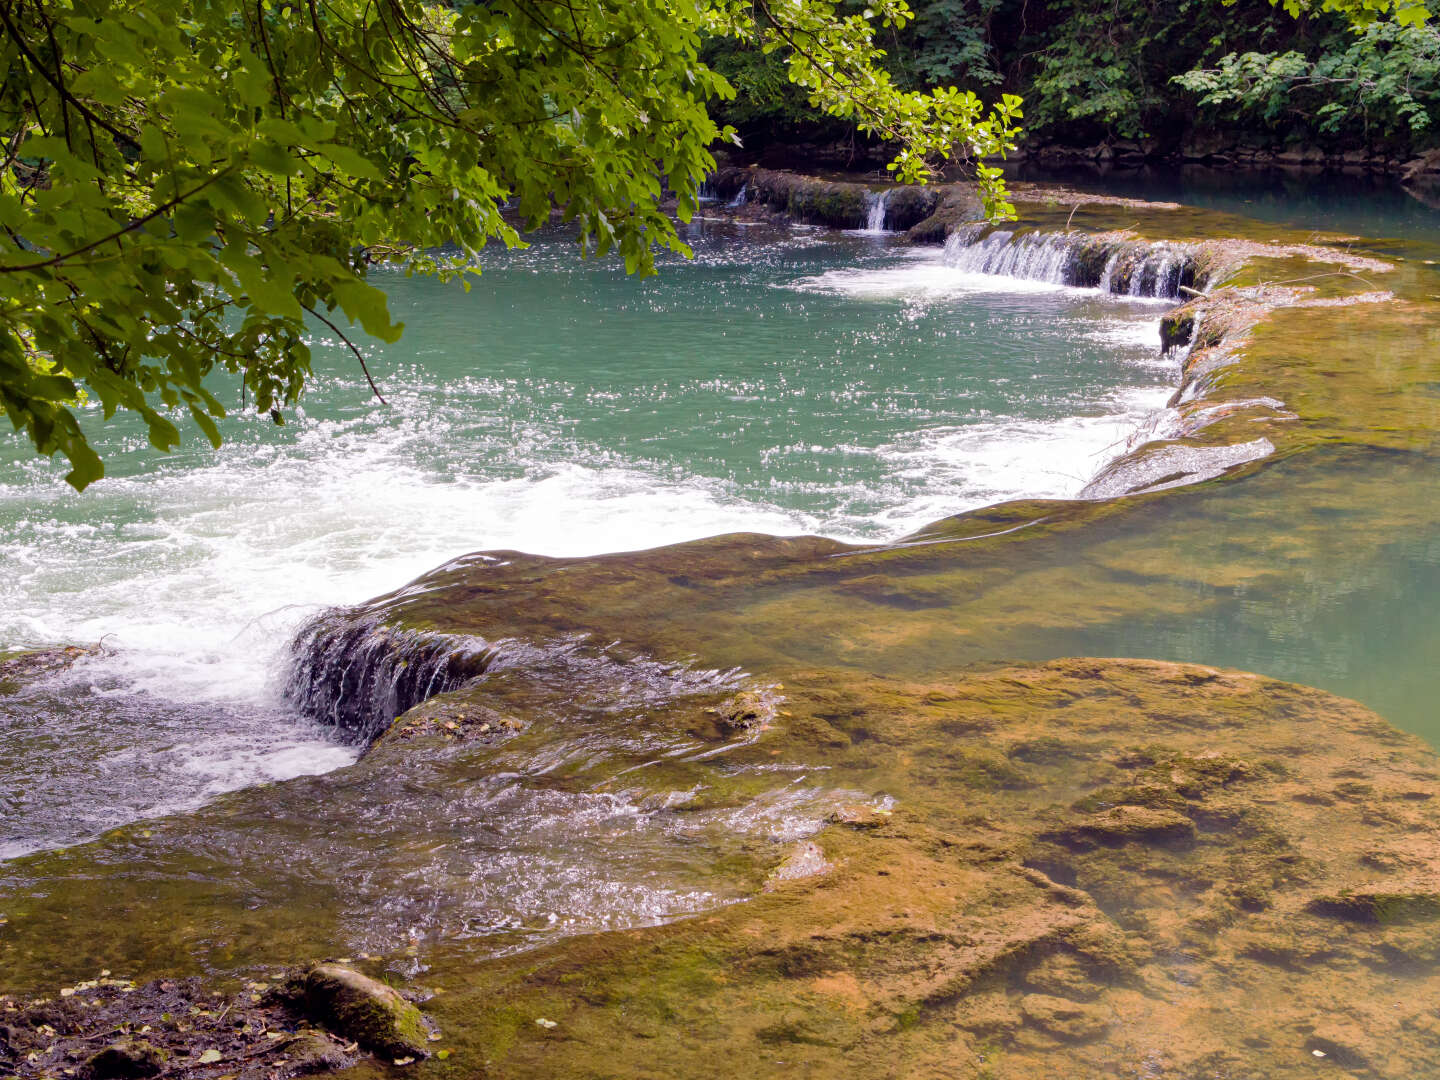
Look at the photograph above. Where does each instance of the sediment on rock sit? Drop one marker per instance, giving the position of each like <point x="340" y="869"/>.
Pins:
<point x="1166" y="840"/>
<point x="108" y="1028"/>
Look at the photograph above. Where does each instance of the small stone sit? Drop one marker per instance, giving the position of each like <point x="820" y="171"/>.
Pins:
<point x="860" y="817"/>
<point x="546" y="1024"/>
<point x="805" y="860"/>
<point x="369" y="1012"/>
<point x="314" y="1054"/>
<point x="127" y="1060"/>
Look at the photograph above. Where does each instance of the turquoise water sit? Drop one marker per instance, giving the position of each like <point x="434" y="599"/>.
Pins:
<point x="801" y="382"/>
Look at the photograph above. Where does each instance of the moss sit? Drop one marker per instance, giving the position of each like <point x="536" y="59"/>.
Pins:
<point x="368" y="1012"/>
<point x="1176" y="329"/>
<point x="1379" y="906"/>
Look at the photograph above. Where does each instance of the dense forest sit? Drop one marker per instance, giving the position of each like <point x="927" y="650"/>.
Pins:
<point x="1131" y="79"/>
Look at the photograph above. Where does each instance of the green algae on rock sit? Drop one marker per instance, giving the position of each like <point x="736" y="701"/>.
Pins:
<point x="369" y="1012"/>
<point x="1148" y="881"/>
<point x="965" y="934"/>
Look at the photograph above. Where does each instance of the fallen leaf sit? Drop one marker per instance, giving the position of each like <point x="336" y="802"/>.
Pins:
<point x="209" y="1056"/>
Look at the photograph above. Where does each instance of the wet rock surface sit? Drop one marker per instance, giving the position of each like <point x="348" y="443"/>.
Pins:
<point x="1152" y="900"/>
<point x="22" y="667"/>
<point x="1081" y="868"/>
<point x="364" y="1010"/>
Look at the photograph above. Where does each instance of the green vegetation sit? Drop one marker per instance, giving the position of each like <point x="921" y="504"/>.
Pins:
<point x="1385" y="81"/>
<point x="1347" y="73"/>
<point x="184" y="182"/>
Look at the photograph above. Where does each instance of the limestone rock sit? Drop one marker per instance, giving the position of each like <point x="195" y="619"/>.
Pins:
<point x="367" y="1011"/>
<point x="1125" y="824"/>
<point x="1062" y="975"/>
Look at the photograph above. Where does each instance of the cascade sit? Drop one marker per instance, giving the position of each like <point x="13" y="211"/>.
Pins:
<point x="358" y="675"/>
<point x="741" y="196"/>
<point x="1112" y="264"/>
<point x="875" y="213"/>
<point x="348" y="669"/>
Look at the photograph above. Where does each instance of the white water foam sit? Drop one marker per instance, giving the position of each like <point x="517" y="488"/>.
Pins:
<point x="922" y="278"/>
<point x="197" y="573"/>
<point x="875" y="211"/>
<point x="197" y="604"/>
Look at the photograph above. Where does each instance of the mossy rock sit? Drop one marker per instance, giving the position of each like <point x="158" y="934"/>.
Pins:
<point x="906" y="207"/>
<point x="366" y="1011"/>
<point x="1381" y="906"/>
<point x="959" y="206"/>
<point x="1176" y="329"/>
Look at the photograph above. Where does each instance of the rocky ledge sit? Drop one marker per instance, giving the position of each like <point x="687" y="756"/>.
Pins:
<point x="1083" y="868"/>
<point x="1094" y="868"/>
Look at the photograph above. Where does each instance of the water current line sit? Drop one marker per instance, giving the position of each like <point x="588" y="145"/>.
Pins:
<point x="875" y="214"/>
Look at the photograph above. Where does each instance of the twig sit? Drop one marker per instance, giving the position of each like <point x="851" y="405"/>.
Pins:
<point x="341" y="335"/>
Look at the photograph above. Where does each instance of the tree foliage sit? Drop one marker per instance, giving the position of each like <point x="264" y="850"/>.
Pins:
<point x="1385" y="79"/>
<point x="1104" y="70"/>
<point x="183" y="183"/>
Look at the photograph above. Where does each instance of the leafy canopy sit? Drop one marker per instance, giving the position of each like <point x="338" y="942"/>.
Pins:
<point x="183" y="182"/>
<point x="1385" y="79"/>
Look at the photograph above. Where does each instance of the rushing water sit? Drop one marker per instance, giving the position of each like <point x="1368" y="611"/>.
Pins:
<point x="811" y="383"/>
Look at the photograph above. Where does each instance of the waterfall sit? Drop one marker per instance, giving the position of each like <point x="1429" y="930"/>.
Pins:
<point x="1112" y="264"/>
<point x="349" y="669"/>
<point x="741" y="196"/>
<point x="1108" y="274"/>
<point x="875" y="213"/>
<point x="358" y="675"/>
